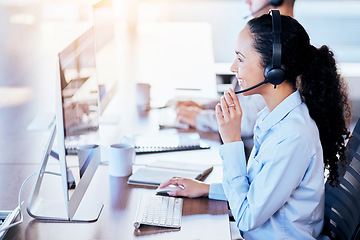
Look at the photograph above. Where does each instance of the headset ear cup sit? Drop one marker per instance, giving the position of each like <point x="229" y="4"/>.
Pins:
<point x="275" y="76"/>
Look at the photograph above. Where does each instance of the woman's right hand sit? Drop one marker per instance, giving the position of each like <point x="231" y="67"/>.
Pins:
<point x="228" y="114"/>
<point x="190" y="188"/>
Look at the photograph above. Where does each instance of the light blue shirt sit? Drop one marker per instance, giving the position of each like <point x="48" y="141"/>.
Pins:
<point x="280" y="194"/>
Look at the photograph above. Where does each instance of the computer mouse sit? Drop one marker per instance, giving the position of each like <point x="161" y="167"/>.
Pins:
<point x="166" y="190"/>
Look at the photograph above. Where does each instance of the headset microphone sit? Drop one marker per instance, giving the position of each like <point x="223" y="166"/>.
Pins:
<point x="251" y="88"/>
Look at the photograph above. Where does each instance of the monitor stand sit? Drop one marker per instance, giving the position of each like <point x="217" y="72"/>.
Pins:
<point x="58" y="210"/>
<point x="41" y="209"/>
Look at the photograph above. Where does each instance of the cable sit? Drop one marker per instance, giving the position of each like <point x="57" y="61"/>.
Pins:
<point x="18" y="208"/>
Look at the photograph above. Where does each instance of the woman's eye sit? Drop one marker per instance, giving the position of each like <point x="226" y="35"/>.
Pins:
<point x="240" y="60"/>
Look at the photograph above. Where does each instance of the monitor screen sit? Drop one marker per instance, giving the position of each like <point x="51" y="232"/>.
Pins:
<point x="79" y="87"/>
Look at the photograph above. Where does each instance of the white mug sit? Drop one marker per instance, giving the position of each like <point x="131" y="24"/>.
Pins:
<point x="121" y="157"/>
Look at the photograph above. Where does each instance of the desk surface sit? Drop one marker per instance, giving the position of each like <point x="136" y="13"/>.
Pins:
<point x="21" y="152"/>
<point x="202" y="218"/>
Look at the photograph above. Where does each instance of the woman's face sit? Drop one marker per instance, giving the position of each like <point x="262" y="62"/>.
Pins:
<point x="247" y="63"/>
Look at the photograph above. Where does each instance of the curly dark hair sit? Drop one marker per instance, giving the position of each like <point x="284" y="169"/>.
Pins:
<point x="313" y="71"/>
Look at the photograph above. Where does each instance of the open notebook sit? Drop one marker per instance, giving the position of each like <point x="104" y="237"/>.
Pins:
<point x="162" y="170"/>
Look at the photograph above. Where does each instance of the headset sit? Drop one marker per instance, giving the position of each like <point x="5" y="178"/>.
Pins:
<point x="275" y="72"/>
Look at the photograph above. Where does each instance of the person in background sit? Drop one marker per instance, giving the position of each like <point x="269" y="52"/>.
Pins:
<point x="202" y="117"/>
<point x="302" y="130"/>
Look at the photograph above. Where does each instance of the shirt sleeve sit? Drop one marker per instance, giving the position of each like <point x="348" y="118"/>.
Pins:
<point x="216" y="192"/>
<point x="278" y="173"/>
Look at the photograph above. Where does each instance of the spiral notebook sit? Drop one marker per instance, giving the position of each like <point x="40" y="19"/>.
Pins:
<point x="168" y="142"/>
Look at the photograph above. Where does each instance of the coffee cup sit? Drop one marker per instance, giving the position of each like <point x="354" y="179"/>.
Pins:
<point x="121" y="157"/>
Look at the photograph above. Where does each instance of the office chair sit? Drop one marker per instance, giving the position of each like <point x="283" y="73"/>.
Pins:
<point x="342" y="203"/>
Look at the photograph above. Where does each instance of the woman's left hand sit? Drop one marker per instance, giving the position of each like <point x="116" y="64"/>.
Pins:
<point x="228" y="114"/>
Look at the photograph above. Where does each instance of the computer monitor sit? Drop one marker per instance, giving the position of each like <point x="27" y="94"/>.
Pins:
<point x="77" y="120"/>
<point x="79" y="92"/>
<point x="106" y="51"/>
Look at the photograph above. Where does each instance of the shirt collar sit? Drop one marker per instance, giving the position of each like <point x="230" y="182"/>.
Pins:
<point x="267" y="119"/>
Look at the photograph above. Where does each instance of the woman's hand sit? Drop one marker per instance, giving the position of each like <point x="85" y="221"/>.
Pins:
<point x="190" y="188"/>
<point x="188" y="115"/>
<point x="228" y="114"/>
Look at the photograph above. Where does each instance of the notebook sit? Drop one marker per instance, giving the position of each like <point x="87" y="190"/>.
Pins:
<point x="167" y="142"/>
<point x="155" y="173"/>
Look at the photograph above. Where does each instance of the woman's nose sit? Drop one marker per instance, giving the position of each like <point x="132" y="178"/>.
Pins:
<point x="234" y="67"/>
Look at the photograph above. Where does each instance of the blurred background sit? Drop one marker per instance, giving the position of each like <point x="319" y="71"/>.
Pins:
<point x="33" y="30"/>
<point x="332" y="22"/>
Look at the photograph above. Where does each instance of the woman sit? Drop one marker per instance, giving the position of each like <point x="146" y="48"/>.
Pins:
<point x="280" y="194"/>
